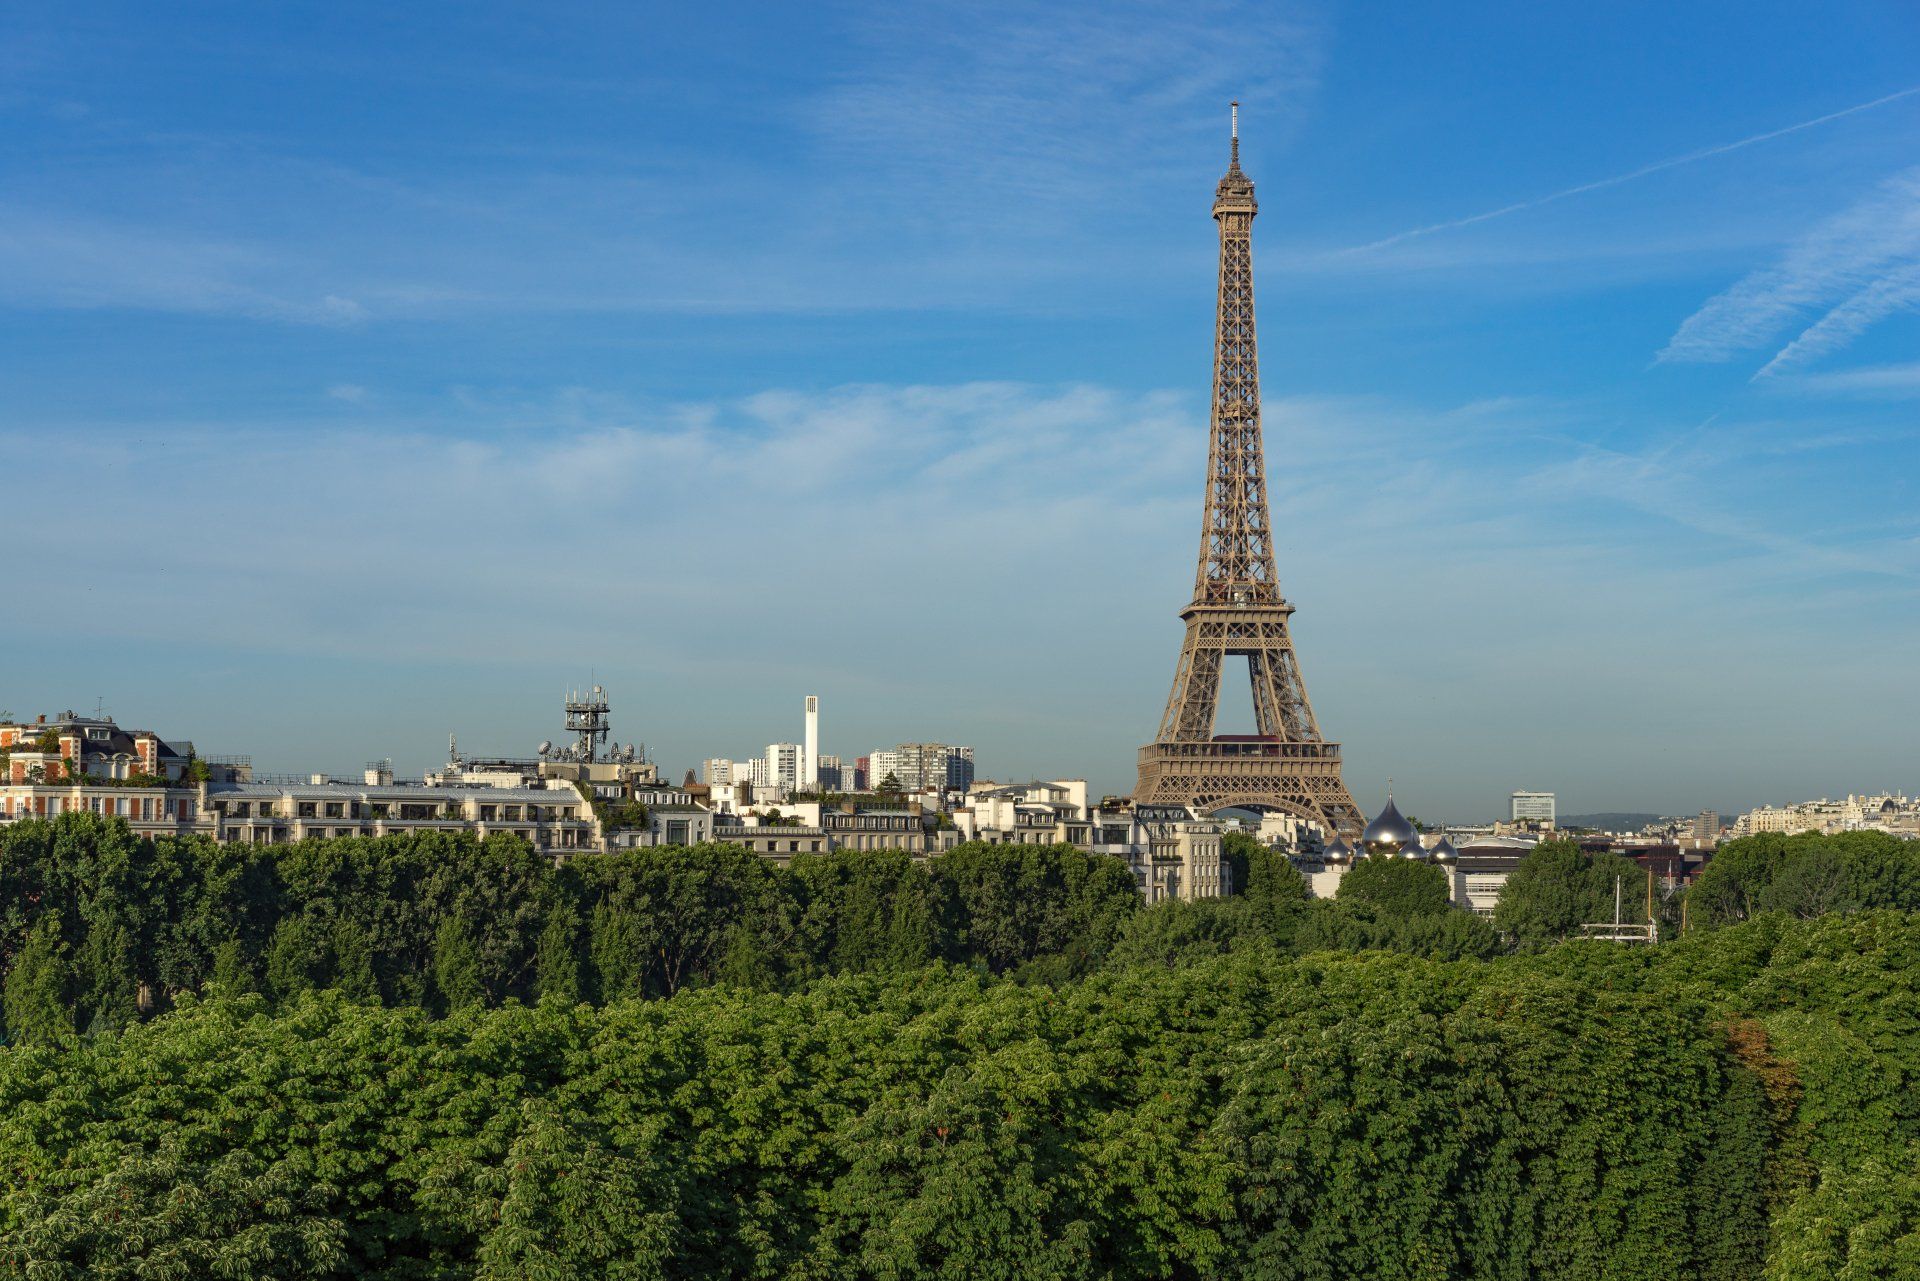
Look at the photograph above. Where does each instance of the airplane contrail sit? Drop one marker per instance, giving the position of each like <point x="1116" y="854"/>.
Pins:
<point x="1669" y="163"/>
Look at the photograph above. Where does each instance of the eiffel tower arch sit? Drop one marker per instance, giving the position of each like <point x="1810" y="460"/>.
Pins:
<point x="1237" y="608"/>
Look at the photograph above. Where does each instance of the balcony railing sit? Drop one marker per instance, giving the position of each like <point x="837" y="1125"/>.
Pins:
<point x="1254" y="750"/>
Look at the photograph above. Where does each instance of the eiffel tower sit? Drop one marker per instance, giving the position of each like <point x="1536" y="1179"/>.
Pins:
<point x="1237" y="607"/>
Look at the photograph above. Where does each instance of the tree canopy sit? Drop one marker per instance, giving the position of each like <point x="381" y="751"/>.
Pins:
<point x="433" y="1057"/>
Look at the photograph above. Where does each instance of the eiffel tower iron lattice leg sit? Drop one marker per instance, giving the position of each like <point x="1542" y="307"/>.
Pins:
<point x="1237" y="607"/>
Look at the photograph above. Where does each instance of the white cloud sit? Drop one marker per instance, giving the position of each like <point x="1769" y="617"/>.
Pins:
<point x="68" y="260"/>
<point x="1895" y="292"/>
<point x="1615" y="180"/>
<point x="1893" y="381"/>
<point x="988" y="101"/>
<point x="1851" y="271"/>
<point x="950" y="156"/>
<point x="996" y="563"/>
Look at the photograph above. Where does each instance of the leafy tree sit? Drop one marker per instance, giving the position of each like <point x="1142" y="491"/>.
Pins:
<point x="1808" y="881"/>
<point x="665" y="918"/>
<point x="456" y="965"/>
<point x="1265" y="878"/>
<point x="169" y="1215"/>
<point x="862" y="911"/>
<point x="557" y="966"/>
<point x="1559" y="887"/>
<point x="1177" y="933"/>
<point x="1857" y="1224"/>
<point x="40" y="987"/>
<point x="568" y="1206"/>
<point x="1808" y="874"/>
<point x="1396" y="886"/>
<point x="1730" y="886"/>
<point x="1002" y="905"/>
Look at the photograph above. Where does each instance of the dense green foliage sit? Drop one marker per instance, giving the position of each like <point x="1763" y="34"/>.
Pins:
<point x="99" y="927"/>
<point x="1739" y="1103"/>
<point x="1372" y="1116"/>
<point x="437" y="1058"/>
<point x="1807" y="875"/>
<point x="1559" y="887"/>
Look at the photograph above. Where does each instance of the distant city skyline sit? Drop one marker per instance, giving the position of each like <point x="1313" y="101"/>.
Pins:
<point x="357" y="391"/>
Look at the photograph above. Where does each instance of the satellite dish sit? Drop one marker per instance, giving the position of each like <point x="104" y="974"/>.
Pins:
<point x="546" y="746"/>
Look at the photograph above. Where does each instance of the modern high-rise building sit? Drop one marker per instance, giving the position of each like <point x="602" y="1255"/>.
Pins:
<point x="1706" y="825"/>
<point x="810" y="766"/>
<point x="783" y="765"/>
<point x="922" y="766"/>
<point x="717" y="770"/>
<point x="1533" y="807"/>
<point x="835" y="775"/>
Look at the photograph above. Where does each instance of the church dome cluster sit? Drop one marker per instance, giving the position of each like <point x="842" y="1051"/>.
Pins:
<point x="1391" y="835"/>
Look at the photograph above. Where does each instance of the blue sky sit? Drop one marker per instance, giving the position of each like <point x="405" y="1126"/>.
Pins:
<point x="370" y="371"/>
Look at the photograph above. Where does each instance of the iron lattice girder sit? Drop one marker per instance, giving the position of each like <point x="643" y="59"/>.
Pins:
<point x="1237" y="606"/>
<point x="1302" y="779"/>
<point x="1236" y="540"/>
<point x="1259" y="633"/>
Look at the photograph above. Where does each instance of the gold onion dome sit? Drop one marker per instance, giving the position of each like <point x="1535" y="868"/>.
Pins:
<point x="1388" y="831"/>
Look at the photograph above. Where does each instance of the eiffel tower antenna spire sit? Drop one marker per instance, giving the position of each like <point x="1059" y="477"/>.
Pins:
<point x="1237" y="608"/>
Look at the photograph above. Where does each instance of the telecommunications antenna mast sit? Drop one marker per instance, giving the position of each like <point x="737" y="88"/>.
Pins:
<point x="587" y="718"/>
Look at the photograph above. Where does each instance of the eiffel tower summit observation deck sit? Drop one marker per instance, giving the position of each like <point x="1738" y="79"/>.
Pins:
<point x="1237" y="608"/>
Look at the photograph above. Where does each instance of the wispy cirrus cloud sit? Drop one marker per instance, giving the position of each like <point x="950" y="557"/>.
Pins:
<point x="1872" y="381"/>
<point x="1615" y="180"/>
<point x="948" y="154"/>
<point x="1848" y="274"/>
<point x="988" y="100"/>
<point x="81" y="262"/>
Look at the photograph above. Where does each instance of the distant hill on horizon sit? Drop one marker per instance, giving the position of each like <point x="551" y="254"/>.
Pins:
<point x="1609" y="820"/>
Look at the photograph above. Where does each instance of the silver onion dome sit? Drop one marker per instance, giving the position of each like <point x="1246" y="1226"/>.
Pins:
<point x="1443" y="852"/>
<point x="1338" y="851"/>
<point x="1414" y="849"/>
<point x="1388" y="831"/>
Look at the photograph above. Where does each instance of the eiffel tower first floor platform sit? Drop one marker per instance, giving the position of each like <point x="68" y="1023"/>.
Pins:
<point x="1302" y="779"/>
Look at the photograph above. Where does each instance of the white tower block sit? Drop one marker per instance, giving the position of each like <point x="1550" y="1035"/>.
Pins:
<point x="810" y="762"/>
